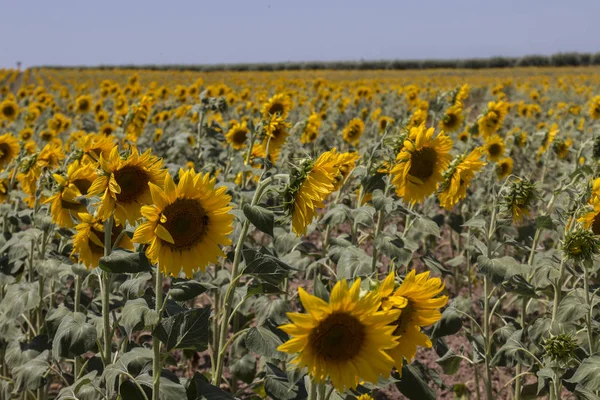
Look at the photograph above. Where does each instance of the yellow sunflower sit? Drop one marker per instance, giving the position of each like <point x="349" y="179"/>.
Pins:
<point x="88" y="242"/>
<point x="452" y="119"/>
<point x="237" y="135"/>
<point x="595" y="108"/>
<point x="548" y="139"/>
<point x="313" y="183"/>
<point x="123" y="184"/>
<point x="504" y="167"/>
<point x="279" y="104"/>
<point x="9" y="149"/>
<point x="311" y="131"/>
<point x="9" y="110"/>
<point x="420" y="164"/>
<point x="26" y="134"/>
<point x="495" y="148"/>
<point x="187" y="224"/>
<point x="83" y="104"/>
<point x="419" y="301"/>
<point x="276" y="133"/>
<point x="353" y="131"/>
<point x="95" y="145"/>
<point x="384" y="122"/>
<point x="65" y="204"/>
<point x="591" y="220"/>
<point x="458" y="178"/>
<point x="346" y="339"/>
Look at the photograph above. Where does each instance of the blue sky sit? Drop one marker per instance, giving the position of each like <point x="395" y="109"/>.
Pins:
<point x="218" y="31"/>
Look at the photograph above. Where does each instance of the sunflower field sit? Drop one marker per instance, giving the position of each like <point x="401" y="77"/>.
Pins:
<point x="292" y="235"/>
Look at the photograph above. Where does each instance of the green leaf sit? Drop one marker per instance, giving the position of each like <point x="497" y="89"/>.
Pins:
<point x="519" y="285"/>
<point x="265" y="266"/>
<point x="84" y="388"/>
<point x="475" y="222"/>
<point x="450" y="362"/>
<point x="74" y="336"/>
<point x="187" y="290"/>
<point x="186" y="330"/>
<point x="20" y="298"/>
<point x="544" y="222"/>
<point x="336" y="215"/>
<point x="130" y="363"/>
<point x="449" y="324"/>
<point x="260" y="217"/>
<point x="571" y="308"/>
<point x="136" y="315"/>
<point x="30" y="375"/>
<point x="201" y="389"/>
<point x="122" y="261"/>
<point x="264" y="342"/>
<point x="415" y="383"/>
<point x="390" y="245"/>
<point x="277" y="385"/>
<point x="321" y="290"/>
<point x="54" y="318"/>
<point x="588" y="373"/>
<point x="427" y="226"/>
<point x="168" y="390"/>
<point x="134" y="287"/>
<point x="353" y="262"/>
<point x="244" y="368"/>
<point x="363" y="215"/>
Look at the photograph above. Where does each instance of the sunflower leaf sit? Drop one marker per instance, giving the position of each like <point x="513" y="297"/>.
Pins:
<point x="74" y="336"/>
<point x="260" y="217"/>
<point x="185" y="330"/>
<point x="449" y="324"/>
<point x="201" y="389"/>
<point x="588" y="373"/>
<point x="264" y="342"/>
<point x="187" y="290"/>
<point x="121" y="261"/>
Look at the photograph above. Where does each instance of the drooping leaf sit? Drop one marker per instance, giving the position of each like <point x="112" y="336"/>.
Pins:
<point x="264" y="342"/>
<point x="136" y="315"/>
<point x="74" y="336"/>
<point x="30" y="375"/>
<point x="449" y="324"/>
<point x="185" y="330"/>
<point x="122" y="261"/>
<point x="200" y="389"/>
<point x="187" y="290"/>
<point x="260" y="217"/>
<point x="588" y="373"/>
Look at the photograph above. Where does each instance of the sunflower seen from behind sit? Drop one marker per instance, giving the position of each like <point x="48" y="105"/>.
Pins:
<point x="122" y="184"/>
<point x="345" y="340"/>
<point x="420" y="164"/>
<point x="458" y="178"/>
<point x="187" y="224"/>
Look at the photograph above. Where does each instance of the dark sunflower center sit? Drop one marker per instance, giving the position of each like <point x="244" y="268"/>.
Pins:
<point x="338" y="338"/>
<point x="239" y="136"/>
<point x="450" y="119"/>
<point x="596" y="224"/>
<point x="187" y="222"/>
<point x="83" y="185"/>
<point x="276" y="108"/>
<point x="84" y="105"/>
<point x="405" y="319"/>
<point x="495" y="149"/>
<point x="5" y="151"/>
<point x="133" y="181"/>
<point x="107" y="130"/>
<point x="9" y="111"/>
<point x="503" y="168"/>
<point x="116" y="230"/>
<point x="423" y="163"/>
<point x="383" y="124"/>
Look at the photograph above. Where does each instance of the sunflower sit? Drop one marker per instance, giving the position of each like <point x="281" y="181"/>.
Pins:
<point x="384" y="122"/>
<point x="140" y="115"/>
<point x="495" y="147"/>
<point x="561" y="147"/>
<point x="238" y="135"/>
<point x="458" y="178"/>
<point x="463" y="136"/>
<point x="26" y="134"/>
<point x="95" y="145"/>
<point x="276" y="133"/>
<point x="9" y="149"/>
<point x="345" y="163"/>
<point x="311" y="131"/>
<point x="345" y="339"/>
<point x="420" y="164"/>
<point x="107" y="129"/>
<point x="123" y="184"/>
<point x="279" y="104"/>
<point x="595" y="108"/>
<point x="591" y="220"/>
<point x="9" y="110"/>
<point x="187" y="224"/>
<point x="88" y="242"/>
<point x="4" y="183"/>
<point x="548" y="139"/>
<point x="493" y="118"/>
<point x="419" y="301"/>
<point x="65" y="203"/>
<point x="312" y="184"/>
<point x="504" y="167"/>
<point x="51" y="155"/>
<point x="83" y="104"/>
<point x="353" y="131"/>
<point x="452" y="119"/>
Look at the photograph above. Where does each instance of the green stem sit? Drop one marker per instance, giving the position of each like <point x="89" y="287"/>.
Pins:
<point x="487" y="336"/>
<point x="76" y="301"/>
<point x="106" y="294"/>
<point x="379" y="227"/>
<point x="588" y="317"/>
<point x="156" y="362"/>
<point x="228" y="300"/>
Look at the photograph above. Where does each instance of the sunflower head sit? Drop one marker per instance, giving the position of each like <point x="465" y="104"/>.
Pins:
<point x="420" y="164"/>
<point x="504" y="167"/>
<point x="83" y="104"/>
<point x="279" y="104"/>
<point x="9" y="149"/>
<point x="581" y="245"/>
<point x="186" y="224"/>
<point x="123" y="184"/>
<point x="353" y="131"/>
<point x="238" y="135"/>
<point x="495" y="147"/>
<point x="452" y="119"/>
<point x="518" y="198"/>
<point x="561" y="348"/>
<point x="344" y="340"/>
<point x="9" y="110"/>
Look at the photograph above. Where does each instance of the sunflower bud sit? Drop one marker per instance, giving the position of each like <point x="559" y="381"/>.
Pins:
<point x="596" y="149"/>
<point x="560" y="348"/>
<point x="581" y="245"/>
<point x="520" y="194"/>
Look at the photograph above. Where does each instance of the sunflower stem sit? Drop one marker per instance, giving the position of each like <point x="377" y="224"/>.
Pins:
<point x="379" y="227"/>
<point x="228" y="299"/>
<point x="588" y="316"/>
<point x="76" y="302"/>
<point x="487" y="334"/>
<point x="106" y="294"/>
<point x="156" y="362"/>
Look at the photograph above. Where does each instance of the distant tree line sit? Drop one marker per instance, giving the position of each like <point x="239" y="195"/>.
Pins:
<point x="554" y="60"/>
